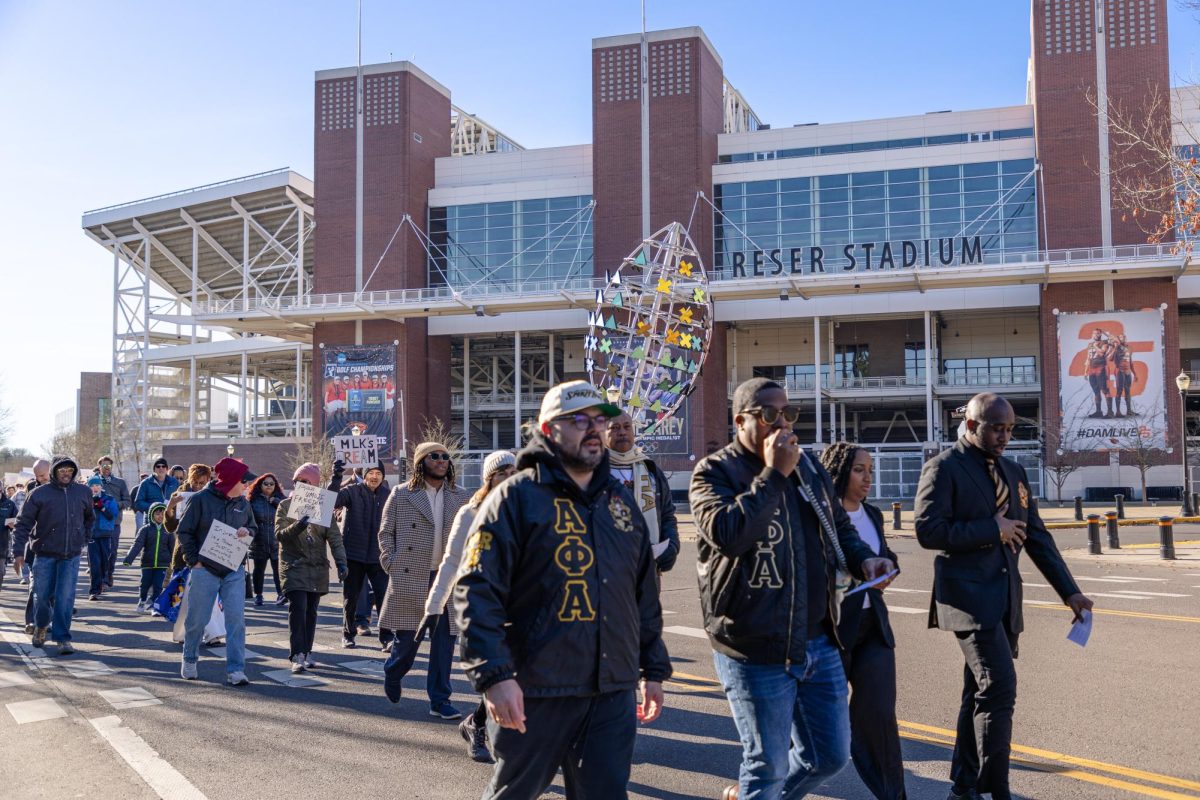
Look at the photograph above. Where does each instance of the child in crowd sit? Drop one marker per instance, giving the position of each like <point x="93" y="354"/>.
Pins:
<point x="155" y="546"/>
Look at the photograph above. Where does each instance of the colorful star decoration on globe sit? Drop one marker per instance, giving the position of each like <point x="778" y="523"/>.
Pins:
<point x="650" y="332"/>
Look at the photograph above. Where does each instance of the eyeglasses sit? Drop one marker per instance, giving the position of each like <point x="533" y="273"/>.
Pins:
<point x="581" y="422"/>
<point x="438" y="456"/>
<point x="161" y="466"/>
<point x="768" y="414"/>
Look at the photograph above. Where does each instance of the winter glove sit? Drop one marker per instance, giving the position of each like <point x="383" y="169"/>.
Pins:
<point x="428" y="624"/>
<point x="335" y="483"/>
<point x="343" y="572"/>
<point x="301" y="525"/>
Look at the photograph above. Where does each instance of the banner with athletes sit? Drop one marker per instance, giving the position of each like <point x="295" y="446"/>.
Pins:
<point x="359" y="393"/>
<point x="1112" y="381"/>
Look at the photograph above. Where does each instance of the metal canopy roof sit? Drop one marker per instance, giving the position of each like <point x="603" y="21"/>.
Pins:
<point x="259" y="221"/>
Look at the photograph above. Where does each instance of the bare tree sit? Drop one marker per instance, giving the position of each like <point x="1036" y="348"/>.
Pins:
<point x="1138" y="449"/>
<point x="319" y="451"/>
<point x="1060" y="458"/>
<point x="82" y="446"/>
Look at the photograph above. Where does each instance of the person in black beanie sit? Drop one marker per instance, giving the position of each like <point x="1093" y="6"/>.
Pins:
<point x="363" y="504"/>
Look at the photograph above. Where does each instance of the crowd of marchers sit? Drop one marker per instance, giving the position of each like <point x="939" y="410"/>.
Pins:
<point x="549" y="573"/>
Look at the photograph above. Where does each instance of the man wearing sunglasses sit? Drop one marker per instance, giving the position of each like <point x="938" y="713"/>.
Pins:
<point x="557" y="601"/>
<point x="771" y="545"/>
<point x="416" y="522"/>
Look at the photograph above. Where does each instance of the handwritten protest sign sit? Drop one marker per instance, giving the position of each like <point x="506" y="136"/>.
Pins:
<point x="356" y="451"/>
<point x="312" y="502"/>
<point x="223" y="546"/>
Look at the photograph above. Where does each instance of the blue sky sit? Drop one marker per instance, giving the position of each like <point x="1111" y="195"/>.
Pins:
<point x="115" y="101"/>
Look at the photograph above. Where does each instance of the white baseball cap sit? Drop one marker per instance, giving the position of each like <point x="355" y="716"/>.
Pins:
<point x="567" y="398"/>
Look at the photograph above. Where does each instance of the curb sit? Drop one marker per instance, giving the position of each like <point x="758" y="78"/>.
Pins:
<point x="1121" y="523"/>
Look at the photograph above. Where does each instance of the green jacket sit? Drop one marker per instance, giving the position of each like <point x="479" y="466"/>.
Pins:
<point x="303" y="563"/>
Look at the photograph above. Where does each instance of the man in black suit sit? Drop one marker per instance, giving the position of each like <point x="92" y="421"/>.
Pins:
<point x="974" y="506"/>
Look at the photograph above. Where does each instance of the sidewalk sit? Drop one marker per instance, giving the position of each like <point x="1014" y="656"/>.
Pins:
<point x="1187" y="555"/>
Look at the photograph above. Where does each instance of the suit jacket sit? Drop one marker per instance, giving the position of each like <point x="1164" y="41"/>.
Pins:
<point x="852" y="606"/>
<point x="976" y="580"/>
<point x="406" y="550"/>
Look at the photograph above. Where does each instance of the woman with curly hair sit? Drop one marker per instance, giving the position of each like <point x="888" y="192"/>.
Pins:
<point x="866" y="634"/>
<point x="265" y="496"/>
<point x="417" y="519"/>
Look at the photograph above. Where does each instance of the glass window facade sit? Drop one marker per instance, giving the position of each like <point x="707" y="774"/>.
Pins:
<point x="888" y="144"/>
<point x="511" y="243"/>
<point x="1017" y="370"/>
<point x="994" y="200"/>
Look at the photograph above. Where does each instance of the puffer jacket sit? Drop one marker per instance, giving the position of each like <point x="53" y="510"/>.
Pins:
<point x="303" y="554"/>
<point x="108" y="515"/>
<point x="153" y="543"/>
<point x="361" y="520"/>
<point x="558" y="587"/>
<point x="205" y="506"/>
<point x="56" y="521"/>
<point x="751" y="549"/>
<point x="150" y="491"/>
<point x="265" y="546"/>
<point x="8" y="510"/>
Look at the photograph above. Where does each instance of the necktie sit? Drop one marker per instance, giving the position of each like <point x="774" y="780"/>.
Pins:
<point x="1000" y="483"/>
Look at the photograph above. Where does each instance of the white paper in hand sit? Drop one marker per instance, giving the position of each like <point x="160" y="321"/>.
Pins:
<point x="224" y="547"/>
<point x="1081" y="630"/>
<point x="312" y="502"/>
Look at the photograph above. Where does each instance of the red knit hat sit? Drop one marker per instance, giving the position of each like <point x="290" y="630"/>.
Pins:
<point x="229" y="473"/>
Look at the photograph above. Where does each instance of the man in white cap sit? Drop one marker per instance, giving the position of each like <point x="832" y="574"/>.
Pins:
<point x="648" y="485"/>
<point x="417" y="518"/>
<point x="557" y="601"/>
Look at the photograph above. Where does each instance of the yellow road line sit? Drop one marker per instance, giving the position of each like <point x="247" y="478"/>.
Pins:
<point x="1155" y="545"/>
<point x="1112" y="612"/>
<point x="710" y="684"/>
<point x="1080" y="775"/>
<point x="1101" y="766"/>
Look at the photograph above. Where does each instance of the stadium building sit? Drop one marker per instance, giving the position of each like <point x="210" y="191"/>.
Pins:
<point x="884" y="270"/>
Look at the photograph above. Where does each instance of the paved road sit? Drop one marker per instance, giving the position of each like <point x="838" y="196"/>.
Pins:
<point x="1115" y="720"/>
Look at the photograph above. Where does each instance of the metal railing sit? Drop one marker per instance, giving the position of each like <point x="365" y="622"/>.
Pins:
<point x="481" y="293"/>
<point x="480" y="399"/>
<point x="1003" y="376"/>
<point x="990" y="376"/>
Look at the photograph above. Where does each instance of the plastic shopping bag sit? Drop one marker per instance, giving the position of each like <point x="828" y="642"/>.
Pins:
<point x="170" y="599"/>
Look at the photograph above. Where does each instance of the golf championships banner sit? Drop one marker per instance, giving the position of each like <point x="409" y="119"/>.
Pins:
<point x="360" y="393"/>
<point x="1111" y="380"/>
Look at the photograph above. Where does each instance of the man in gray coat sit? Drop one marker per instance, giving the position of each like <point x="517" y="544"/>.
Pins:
<point x="412" y="538"/>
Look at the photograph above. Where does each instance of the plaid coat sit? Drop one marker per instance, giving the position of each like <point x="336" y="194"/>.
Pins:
<point x="406" y="550"/>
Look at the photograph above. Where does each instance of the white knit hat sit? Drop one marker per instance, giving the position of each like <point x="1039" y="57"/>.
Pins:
<point x="497" y="461"/>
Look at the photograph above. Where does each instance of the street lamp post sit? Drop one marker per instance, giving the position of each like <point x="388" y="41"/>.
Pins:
<point x="229" y="450"/>
<point x="1183" y="381"/>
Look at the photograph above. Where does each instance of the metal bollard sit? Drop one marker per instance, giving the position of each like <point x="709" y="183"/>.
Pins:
<point x="1114" y="540"/>
<point x="1120" y="498"/>
<point x="1166" y="538"/>
<point x="895" y="516"/>
<point x="1078" y="508"/>
<point x="1093" y="522"/>
<point x="1195" y="500"/>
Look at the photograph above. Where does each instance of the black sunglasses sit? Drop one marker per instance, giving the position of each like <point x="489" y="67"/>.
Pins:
<point x="768" y="414"/>
<point x="438" y="456"/>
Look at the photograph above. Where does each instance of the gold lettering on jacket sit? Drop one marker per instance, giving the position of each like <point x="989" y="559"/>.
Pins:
<point x="574" y="558"/>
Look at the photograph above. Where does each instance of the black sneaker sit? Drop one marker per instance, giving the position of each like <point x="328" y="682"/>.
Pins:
<point x="963" y="794"/>
<point x="476" y="739"/>
<point x="445" y="711"/>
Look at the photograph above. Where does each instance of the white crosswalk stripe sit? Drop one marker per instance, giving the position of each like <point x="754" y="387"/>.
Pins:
<point x="683" y="630"/>
<point x="300" y="681"/>
<point x="15" y="678"/>
<point x="132" y="697"/>
<point x="35" y="710"/>
<point x="1150" y="594"/>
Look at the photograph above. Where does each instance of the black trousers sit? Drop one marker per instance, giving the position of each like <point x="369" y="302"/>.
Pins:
<point x="981" y="749"/>
<point x="874" y="734"/>
<point x="260" y="573"/>
<point x="302" y="620"/>
<point x="590" y="738"/>
<point x="359" y="572"/>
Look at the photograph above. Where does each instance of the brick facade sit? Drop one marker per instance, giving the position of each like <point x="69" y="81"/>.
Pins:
<point x="406" y="127"/>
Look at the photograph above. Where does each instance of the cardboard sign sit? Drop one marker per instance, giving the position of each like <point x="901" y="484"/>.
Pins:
<point x="356" y="451"/>
<point x="312" y="502"/>
<point x="223" y="545"/>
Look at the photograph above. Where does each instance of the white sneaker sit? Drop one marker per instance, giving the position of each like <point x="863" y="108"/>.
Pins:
<point x="189" y="671"/>
<point x="236" y="679"/>
<point x="297" y="663"/>
<point x="141" y="606"/>
<point x="308" y="662"/>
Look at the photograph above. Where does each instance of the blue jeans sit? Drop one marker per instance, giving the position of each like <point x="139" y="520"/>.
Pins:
<point x="202" y="591"/>
<point x="55" y="581"/>
<point x="793" y="722"/>
<point x="152" y="584"/>
<point x="99" y="555"/>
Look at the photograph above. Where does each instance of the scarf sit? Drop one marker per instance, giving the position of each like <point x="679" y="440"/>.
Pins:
<point x="642" y="486"/>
